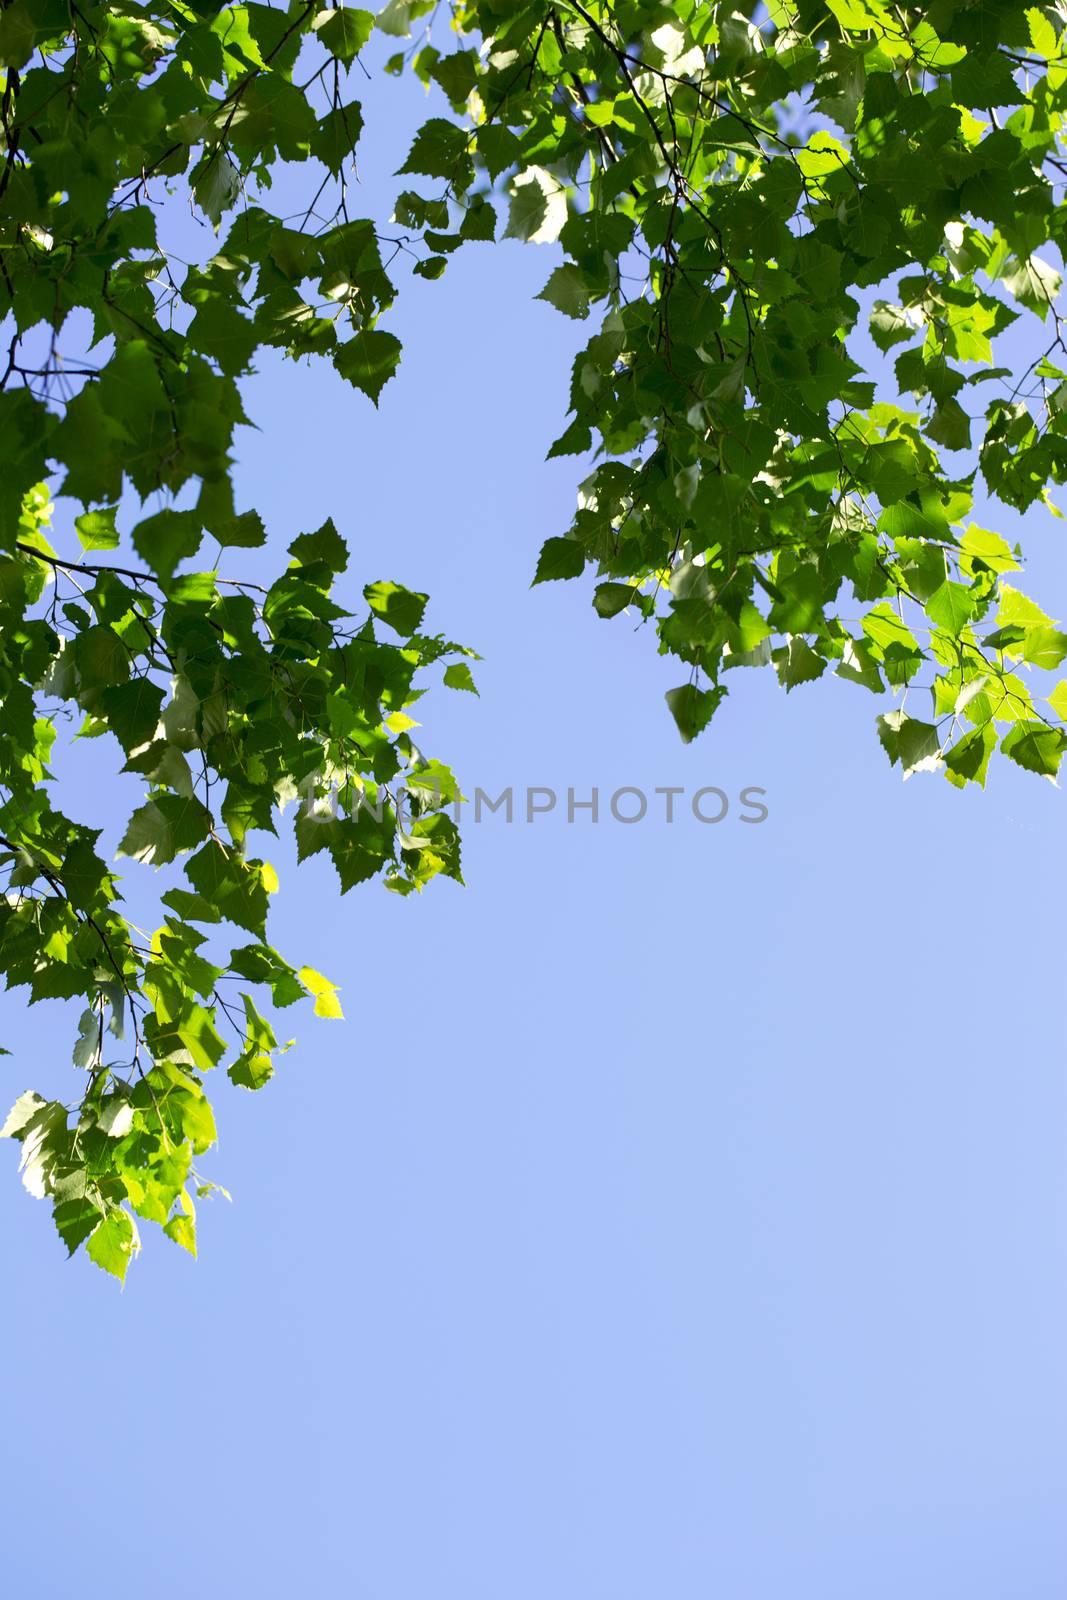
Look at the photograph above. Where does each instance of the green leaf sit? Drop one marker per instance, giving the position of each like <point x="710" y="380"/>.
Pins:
<point x="167" y="539"/>
<point x="1035" y="746"/>
<point x="858" y="665"/>
<point x="891" y="325"/>
<point x="968" y="760"/>
<point x="1033" y="282"/>
<point x="164" y="827"/>
<point x="479" y="219"/>
<point x="951" y="606"/>
<point x="325" y="993"/>
<point x="133" y="710"/>
<point x="950" y="425"/>
<point x="197" y="1120"/>
<point x="439" y="150"/>
<point x="915" y="745"/>
<point x="75" y="1221"/>
<point x="251" y="1069"/>
<point x="236" y="888"/>
<point x="116" y="1119"/>
<point x="1018" y="610"/>
<point x="96" y="529"/>
<point x="100" y="657"/>
<point x="220" y="331"/>
<point x="1043" y="647"/>
<point x="401" y="608"/>
<point x="860" y="15"/>
<point x="395" y="18"/>
<point x="989" y="548"/>
<point x="26" y="24"/>
<point x="538" y="207"/>
<point x="693" y="708"/>
<point x="611" y="598"/>
<point x="86" y="1051"/>
<point x="344" y="32"/>
<point x="567" y="290"/>
<point x="458" y="676"/>
<point x="368" y="360"/>
<point x="182" y="1226"/>
<point x="113" y="1243"/>
<point x="559" y="558"/>
<point x="336" y="136"/>
<point x="22" y="1114"/>
<point x="799" y="663"/>
<point x="326" y="545"/>
<point x="216" y="184"/>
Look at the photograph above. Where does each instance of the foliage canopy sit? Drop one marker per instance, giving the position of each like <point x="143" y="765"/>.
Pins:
<point x="801" y="232"/>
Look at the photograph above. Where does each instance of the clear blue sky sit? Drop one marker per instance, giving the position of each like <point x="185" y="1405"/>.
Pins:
<point x="681" y="1211"/>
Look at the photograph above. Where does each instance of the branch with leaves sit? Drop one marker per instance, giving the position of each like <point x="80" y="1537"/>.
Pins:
<point x="749" y="492"/>
<point x="811" y="237"/>
<point x="229" y="700"/>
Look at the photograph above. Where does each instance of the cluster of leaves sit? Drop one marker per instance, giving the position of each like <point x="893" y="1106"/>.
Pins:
<point x="741" y="190"/>
<point x="229" y="699"/>
<point x="741" y="194"/>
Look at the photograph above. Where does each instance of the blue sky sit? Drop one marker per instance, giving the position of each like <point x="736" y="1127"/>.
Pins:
<point x="681" y="1210"/>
